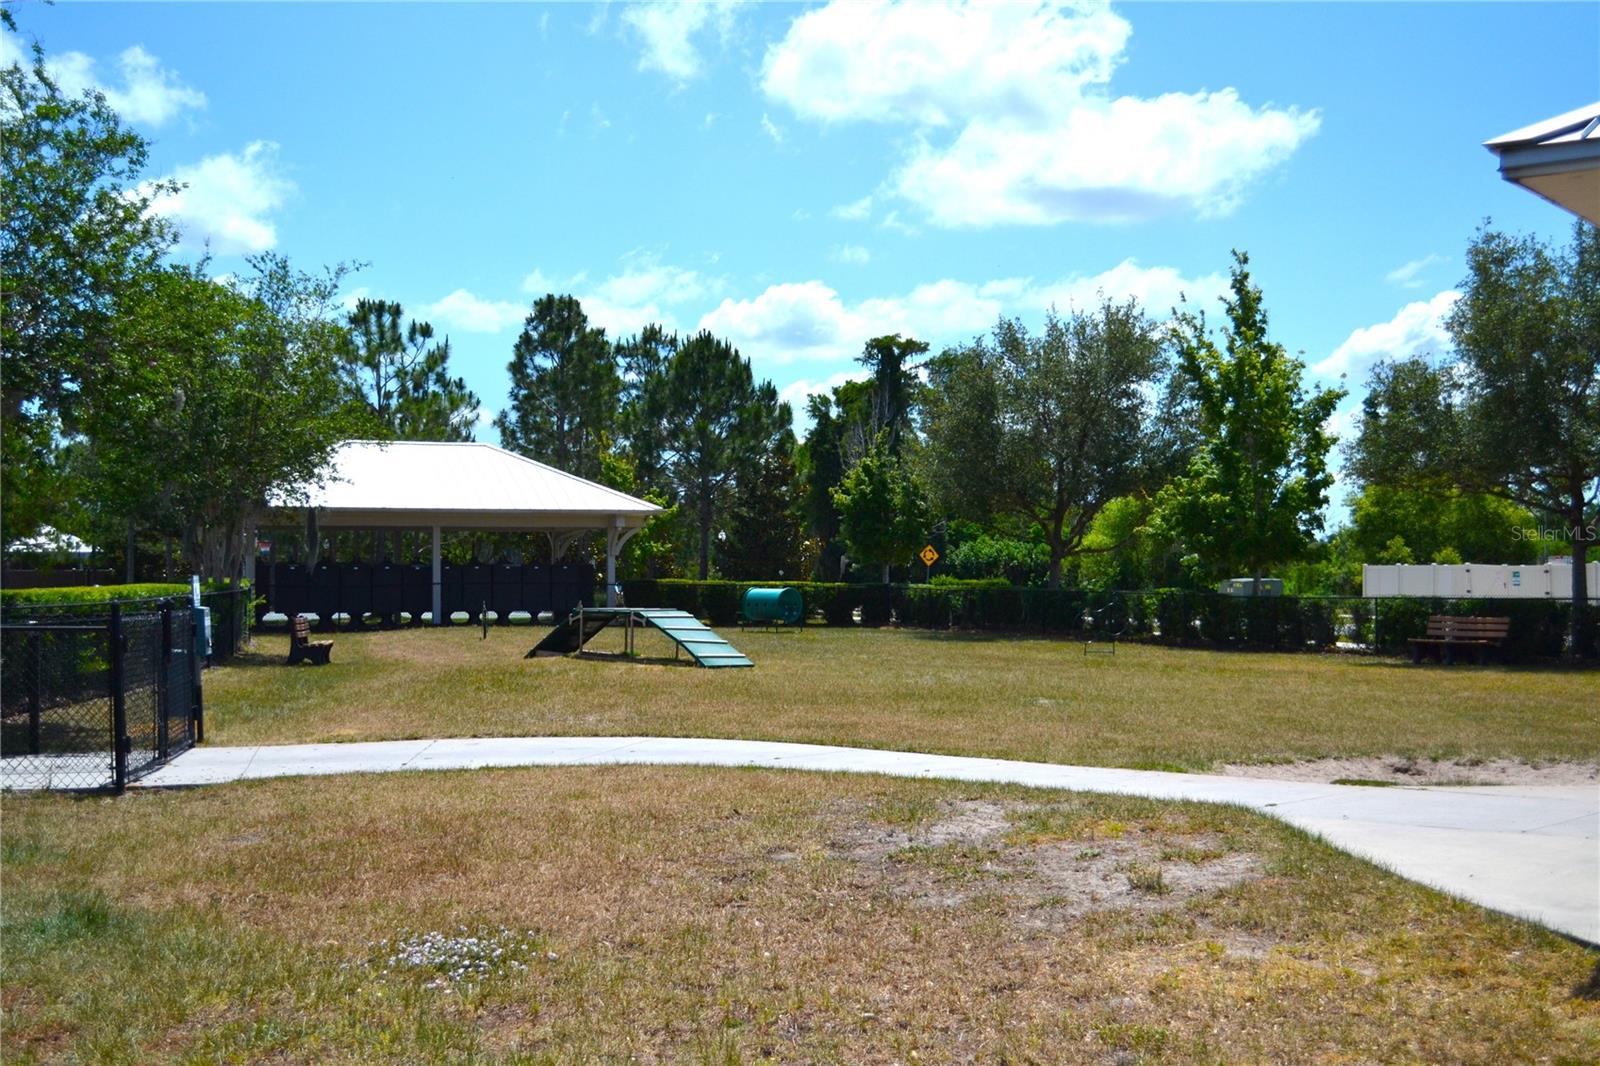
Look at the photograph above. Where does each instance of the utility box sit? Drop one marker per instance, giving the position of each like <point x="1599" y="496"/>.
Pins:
<point x="202" y="631"/>
<point x="1247" y="586"/>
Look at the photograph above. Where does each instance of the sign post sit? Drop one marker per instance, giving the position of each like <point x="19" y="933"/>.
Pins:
<point x="929" y="555"/>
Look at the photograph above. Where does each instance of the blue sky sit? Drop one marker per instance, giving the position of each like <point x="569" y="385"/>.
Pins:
<point x="799" y="178"/>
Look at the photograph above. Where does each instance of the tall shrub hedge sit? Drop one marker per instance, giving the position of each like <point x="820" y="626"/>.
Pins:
<point x="90" y="594"/>
<point x="1168" y="616"/>
<point x="231" y="612"/>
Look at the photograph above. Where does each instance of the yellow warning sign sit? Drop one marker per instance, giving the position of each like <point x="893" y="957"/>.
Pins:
<point x="929" y="556"/>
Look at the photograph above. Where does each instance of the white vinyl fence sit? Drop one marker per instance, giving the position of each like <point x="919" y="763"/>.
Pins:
<point x="1548" y="581"/>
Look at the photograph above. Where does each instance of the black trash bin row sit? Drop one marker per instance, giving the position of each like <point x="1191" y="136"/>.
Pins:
<point x="385" y="592"/>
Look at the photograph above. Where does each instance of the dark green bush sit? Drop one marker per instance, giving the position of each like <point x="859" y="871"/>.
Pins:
<point x="90" y="594"/>
<point x="945" y="581"/>
<point x="1169" y="616"/>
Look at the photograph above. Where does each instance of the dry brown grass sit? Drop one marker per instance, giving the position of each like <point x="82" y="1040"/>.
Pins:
<point x="740" y="916"/>
<point x="986" y="695"/>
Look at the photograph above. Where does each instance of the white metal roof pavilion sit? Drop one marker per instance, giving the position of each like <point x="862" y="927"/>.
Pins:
<point x="1558" y="158"/>
<point x="373" y="485"/>
<point x="411" y="484"/>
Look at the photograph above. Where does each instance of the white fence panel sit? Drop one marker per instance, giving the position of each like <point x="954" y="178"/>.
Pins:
<point x="1547" y="581"/>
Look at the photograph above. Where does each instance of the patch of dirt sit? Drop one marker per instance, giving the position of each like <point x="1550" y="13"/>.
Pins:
<point x="964" y="853"/>
<point x="1403" y="771"/>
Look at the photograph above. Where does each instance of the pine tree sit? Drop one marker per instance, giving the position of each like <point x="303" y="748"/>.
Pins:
<point x="402" y="380"/>
<point x="716" y="424"/>
<point x="564" y="388"/>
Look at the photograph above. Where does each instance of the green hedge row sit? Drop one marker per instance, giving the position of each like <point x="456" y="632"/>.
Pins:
<point x="1169" y="616"/>
<point x="231" y="612"/>
<point x="76" y="594"/>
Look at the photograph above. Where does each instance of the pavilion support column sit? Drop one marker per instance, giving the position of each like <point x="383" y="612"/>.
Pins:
<point x="611" y="566"/>
<point x="438" y="582"/>
<point x="616" y="539"/>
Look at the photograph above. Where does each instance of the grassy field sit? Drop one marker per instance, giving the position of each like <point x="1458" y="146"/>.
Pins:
<point x="1039" y="699"/>
<point x="726" y="916"/>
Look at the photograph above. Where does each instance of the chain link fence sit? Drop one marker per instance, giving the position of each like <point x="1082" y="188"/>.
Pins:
<point x="96" y="696"/>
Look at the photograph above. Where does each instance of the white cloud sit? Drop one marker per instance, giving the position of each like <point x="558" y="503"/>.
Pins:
<point x="667" y="30"/>
<point x="940" y="64"/>
<point x="1407" y="277"/>
<point x="473" y="314"/>
<point x="645" y="290"/>
<point x="538" y="283"/>
<point x="892" y="221"/>
<point x="1116" y="161"/>
<point x="770" y="129"/>
<point x="349" y="300"/>
<point x="1014" y="122"/>
<point x="853" y="254"/>
<point x="143" y="91"/>
<point x="854" y="211"/>
<point x="226" y="199"/>
<point x="1345" y="422"/>
<point x="809" y="321"/>
<point x="1417" y="329"/>
<point x="12" y="50"/>
<point x="796" y="392"/>
<point x="644" y="279"/>
<point x="786" y="322"/>
<point x="1158" y="289"/>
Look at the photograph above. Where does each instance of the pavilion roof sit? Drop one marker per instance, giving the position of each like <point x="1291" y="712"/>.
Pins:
<point x="469" y="484"/>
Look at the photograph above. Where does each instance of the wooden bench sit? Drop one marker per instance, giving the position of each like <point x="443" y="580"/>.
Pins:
<point x="301" y="646"/>
<point x="1446" y="633"/>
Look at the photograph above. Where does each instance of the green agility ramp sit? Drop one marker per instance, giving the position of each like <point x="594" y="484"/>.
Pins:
<point x="685" y="630"/>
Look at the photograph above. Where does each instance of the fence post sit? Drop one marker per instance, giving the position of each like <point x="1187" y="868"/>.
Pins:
<point x="35" y="689"/>
<point x="196" y="704"/>
<point x="164" y="682"/>
<point x="119" y="706"/>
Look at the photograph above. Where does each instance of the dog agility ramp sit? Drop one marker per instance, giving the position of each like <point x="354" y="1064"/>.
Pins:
<point x="686" y="631"/>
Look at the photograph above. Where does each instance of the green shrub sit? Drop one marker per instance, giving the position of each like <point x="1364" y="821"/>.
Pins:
<point x="945" y="581"/>
<point x="720" y="600"/>
<point x="1168" y="616"/>
<point x="90" y="594"/>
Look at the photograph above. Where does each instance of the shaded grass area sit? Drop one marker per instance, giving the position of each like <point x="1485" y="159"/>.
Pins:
<point x="677" y="914"/>
<point x="1038" y="699"/>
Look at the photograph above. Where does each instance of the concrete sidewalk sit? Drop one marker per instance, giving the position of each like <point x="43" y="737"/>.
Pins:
<point x="1533" y="852"/>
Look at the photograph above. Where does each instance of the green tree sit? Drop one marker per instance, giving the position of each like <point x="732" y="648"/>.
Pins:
<point x="564" y="388"/>
<point x="218" y="397"/>
<point x="642" y="360"/>
<point x="1119" y="552"/>
<point x="401" y="379"/>
<point x="1516" y="412"/>
<point x="1436" y="526"/>
<point x="883" y="515"/>
<point x="965" y="421"/>
<point x="893" y="387"/>
<point x="653" y="552"/>
<point x="76" y="237"/>
<point x="994" y="555"/>
<point x="1048" y="429"/>
<point x="766" y="534"/>
<point x="1252" y="496"/>
<point x="821" y="463"/>
<point x="716" y="424"/>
